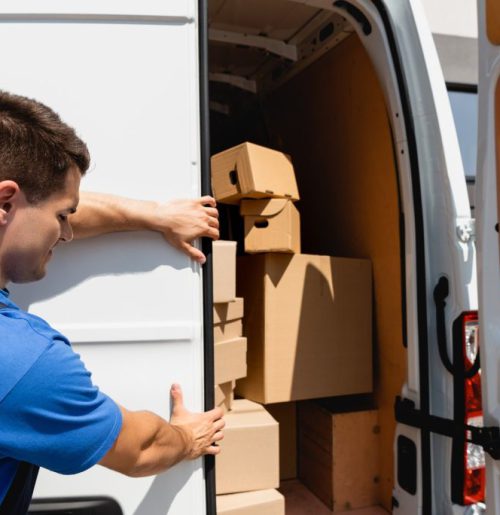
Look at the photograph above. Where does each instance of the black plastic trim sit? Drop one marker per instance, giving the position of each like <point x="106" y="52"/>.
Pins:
<point x="357" y="14"/>
<point x="426" y="472"/>
<point x="75" y="506"/>
<point x="206" y="189"/>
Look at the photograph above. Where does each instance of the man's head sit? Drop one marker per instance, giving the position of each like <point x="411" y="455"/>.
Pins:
<point x="41" y="162"/>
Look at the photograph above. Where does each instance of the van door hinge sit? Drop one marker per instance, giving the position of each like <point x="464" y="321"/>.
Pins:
<point x="486" y="437"/>
<point x="466" y="229"/>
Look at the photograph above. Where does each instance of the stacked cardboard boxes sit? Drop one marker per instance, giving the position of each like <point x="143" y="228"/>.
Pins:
<point x="307" y="317"/>
<point x="245" y="479"/>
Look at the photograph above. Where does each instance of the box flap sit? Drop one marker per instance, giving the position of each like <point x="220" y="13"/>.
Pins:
<point x="227" y="311"/>
<point x="265" y="207"/>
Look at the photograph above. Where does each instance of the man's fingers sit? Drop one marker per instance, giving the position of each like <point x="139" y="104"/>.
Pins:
<point x="213" y="222"/>
<point x="207" y="200"/>
<point x="193" y="253"/>
<point x="218" y="436"/>
<point x="211" y="211"/>
<point x="213" y="233"/>
<point x="213" y="450"/>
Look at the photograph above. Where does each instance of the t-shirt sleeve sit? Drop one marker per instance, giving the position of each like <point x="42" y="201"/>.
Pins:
<point x="55" y="417"/>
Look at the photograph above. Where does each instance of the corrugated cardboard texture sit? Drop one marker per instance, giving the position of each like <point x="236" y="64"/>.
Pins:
<point x="230" y="360"/>
<point x="252" y="171"/>
<point x="228" y="330"/>
<point x="308" y="324"/>
<point x="224" y="270"/>
<point x="249" y="458"/>
<point x="271" y="225"/>
<point x="224" y="395"/>
<point x="339" y="456"/>
<point x="227" y="311"/>
<point x="348" y="182"/>
<point x="285" y="414"/>
<point x="261" y="502"/>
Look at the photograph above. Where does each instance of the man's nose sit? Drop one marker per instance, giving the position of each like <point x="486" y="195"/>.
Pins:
<point x="67" y="232"/>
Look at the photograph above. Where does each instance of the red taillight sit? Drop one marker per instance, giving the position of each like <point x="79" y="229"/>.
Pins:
<point x="474" y="463"/>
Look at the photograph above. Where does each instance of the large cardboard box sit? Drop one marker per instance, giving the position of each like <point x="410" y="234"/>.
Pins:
<point x="339" y="458"/>
<point x="227" y="311"/>
<point x="230" y="357"/>
<point x="224" y="271"/>
<point x="271" y="225"/>
<point x="249" y="457"/>
<point x="308" y="322"/>
<point x="224" y="395"/>
<point x="285" y="413"/>
<point x="260" y="502"/>
<point x="252" y="171"/>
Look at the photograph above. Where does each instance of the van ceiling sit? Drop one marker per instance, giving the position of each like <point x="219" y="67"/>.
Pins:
<point x="255" y="46"/>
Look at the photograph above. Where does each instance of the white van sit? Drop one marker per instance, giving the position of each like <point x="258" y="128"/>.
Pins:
<point x="353" y="91"/>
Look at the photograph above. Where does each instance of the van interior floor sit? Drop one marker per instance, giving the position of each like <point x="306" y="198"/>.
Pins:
<point x="301" y="501"/>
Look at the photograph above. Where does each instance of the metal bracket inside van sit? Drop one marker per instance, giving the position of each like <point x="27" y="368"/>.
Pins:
<point x="486" y="437"/>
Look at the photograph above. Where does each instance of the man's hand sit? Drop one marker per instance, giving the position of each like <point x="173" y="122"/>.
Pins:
<point x="204" y="429"/>
<point x="182" y="221"/>
<point x="148" y="444"/>
<point x="179" y="221"/>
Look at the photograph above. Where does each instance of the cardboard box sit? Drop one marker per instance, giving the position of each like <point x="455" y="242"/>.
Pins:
<point x="260" y="502"/>
<point x="226" y="311"/>
<point x="224" y="271"/>
<point x="228" y="330"/>
<point x="339" y="456"/>
<point x="230" y="358"/>
<point x="252" y="171"/>
<point x="285" y="413"/>
<point x="271" y="225"/>
<point x="224" y="395"/>
<point x="308" y="321"/>
<point x="249" y="457"/>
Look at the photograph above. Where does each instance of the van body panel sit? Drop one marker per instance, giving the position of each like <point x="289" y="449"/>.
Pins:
<point x="131" y="304"/>
<point x="487" y="207"/>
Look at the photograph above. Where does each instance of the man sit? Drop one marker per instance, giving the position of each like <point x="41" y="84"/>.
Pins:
<point x="51" y="415"/>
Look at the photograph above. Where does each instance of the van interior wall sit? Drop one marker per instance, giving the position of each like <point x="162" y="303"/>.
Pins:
<point x="331" y="119"/>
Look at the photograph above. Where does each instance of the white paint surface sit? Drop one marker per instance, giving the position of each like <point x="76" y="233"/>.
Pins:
<point x="452" y="17"/>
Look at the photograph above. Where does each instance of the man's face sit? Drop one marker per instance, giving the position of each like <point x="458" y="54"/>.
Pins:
<point x="33" y="230"/>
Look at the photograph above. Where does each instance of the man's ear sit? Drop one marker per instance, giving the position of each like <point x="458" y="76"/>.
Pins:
<point x="9" y="197"/>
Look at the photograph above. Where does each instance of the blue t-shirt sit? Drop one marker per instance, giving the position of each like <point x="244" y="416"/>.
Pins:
<point x="51" y="415"/>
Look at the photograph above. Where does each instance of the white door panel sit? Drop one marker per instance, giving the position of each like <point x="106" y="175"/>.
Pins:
<point x="90" y="8"/>
<point x="131" y="304"/>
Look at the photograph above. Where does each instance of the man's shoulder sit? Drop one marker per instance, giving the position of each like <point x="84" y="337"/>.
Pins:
<point x="16" y="324"/>
<point x="24" y="338"/>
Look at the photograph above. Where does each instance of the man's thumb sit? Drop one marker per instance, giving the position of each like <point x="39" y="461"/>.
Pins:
<point x="177" y="398"/>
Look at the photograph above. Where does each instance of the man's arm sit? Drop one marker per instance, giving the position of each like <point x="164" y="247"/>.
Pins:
<point x="148" y="444"/>
<point x="179" y="221"/>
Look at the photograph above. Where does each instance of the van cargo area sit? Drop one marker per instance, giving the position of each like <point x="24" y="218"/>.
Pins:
<point x="325" y="108"/>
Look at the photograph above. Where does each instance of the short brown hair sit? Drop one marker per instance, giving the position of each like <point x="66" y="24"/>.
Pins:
<point x="36" y="147"/>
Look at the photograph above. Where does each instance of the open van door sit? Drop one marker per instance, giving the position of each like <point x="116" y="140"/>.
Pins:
<point x="488" y="237"/>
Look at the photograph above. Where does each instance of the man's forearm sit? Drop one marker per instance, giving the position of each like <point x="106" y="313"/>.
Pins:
<point x="180" y="222"/>
<point x="100" y="213"/>
<point x="147" y="445"/>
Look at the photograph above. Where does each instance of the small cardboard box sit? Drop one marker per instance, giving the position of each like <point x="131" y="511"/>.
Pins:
<point x="339" y="456"/>
<point x="271" y="225"/>
<point x="249" y="457"/>
<point x="252" y="171"/>
<point x="228" y="330"/>
<point x="224" y="271"/>
<point x="260" y="502"/>
<point x="308" y="320"/>
<point x="285" y="413"/>
<point x="230" y="360"/>
<point x="227" y="311"/>
<point x="224" y="395"/>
